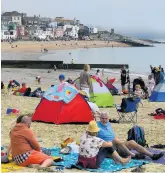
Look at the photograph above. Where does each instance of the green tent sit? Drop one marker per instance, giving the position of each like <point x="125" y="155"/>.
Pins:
<point x="101" y="95"/>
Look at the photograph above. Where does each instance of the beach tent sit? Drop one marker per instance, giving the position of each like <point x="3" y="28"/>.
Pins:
<point x="63" y="104"/>
<point x="101" y="95"/>
<point x="111" y="87"/>
<point x="158" y="94"/>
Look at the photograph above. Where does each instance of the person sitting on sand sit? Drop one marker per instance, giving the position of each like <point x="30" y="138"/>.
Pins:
<point x="13" y="84"/>
<point x="62" y="79"/>
<point x="25" y="149"/>
<point x="94" y="150"/>
<point x="139" y="92"/>
<point x="85" y="80"/>
<point x="107" y="134"/>
<point x="23" y="89"/>
<point x="70" y="81"/>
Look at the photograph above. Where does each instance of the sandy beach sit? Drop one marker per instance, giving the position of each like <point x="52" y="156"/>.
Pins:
<point x="52" y="135"/>
<point x="31" y="46"/>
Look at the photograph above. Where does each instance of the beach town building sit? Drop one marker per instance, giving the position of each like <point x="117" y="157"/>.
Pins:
<point x="71" y="31"/>
<point x="14" y="16"/>
<point x="93" y="30"/>
<point x="31" y="21"/>
<point x="20" y="30"/>
<point x="49" y="32"/>
<point x="61" y="21"/>
<point x="5" y="21"/>
<point x="58" y="32"/>
<point x="7" y="35"/>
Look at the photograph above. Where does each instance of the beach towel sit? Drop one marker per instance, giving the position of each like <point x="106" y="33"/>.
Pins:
<point x="160" y="117"/>
<point x="10" y="167"/>
<point x="109" y="165"/>
<point x="154" y="151"/>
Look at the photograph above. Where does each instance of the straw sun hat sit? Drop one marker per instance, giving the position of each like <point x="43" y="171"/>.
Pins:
<point x="92" y="127"/>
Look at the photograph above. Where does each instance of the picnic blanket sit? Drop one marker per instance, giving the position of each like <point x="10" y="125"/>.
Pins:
<point x="155" y="151"/>
<point x="107" y="165"/>
<point x="10" y="167"/>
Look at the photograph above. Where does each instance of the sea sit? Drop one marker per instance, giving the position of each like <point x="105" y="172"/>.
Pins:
<point x="138" y="58"/>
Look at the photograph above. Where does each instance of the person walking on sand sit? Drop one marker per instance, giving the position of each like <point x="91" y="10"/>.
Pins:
<point x="25" y="149"/>
<point x="38" y="79"/>
<point x="72" y="62"/>
<point x="85" y="81"/>
<point x="123" y="78"/>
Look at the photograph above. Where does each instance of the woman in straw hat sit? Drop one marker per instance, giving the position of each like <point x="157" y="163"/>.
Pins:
<point x="94" y="150"/>
<point x="85" y="80"/>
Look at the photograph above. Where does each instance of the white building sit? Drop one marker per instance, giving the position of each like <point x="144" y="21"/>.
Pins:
<point x="38" y="32"/>
<point x="17" y="19"/>
<point x="5" y="34"/>
<point x="71" y="30"/>
<point x="13" y="16"/>
<point x="93" y="30"/>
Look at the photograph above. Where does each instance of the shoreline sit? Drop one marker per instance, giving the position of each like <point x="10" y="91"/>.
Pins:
<point x="36" y="47"/>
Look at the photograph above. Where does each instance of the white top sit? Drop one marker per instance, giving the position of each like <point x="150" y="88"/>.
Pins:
<point x="90" y="145"/>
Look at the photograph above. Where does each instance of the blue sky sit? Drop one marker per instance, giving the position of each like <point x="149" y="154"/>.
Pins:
<point x="123" y="15"/>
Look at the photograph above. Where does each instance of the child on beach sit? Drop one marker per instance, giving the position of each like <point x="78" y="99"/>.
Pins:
<point x="139" y="92"/>
<point x="38" y="79"/>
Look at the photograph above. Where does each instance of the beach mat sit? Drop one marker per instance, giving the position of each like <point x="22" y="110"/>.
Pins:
<point x="160" y="117"/>
<point x="155" y="151"/>
<point x="109" y="165"/>
<point x="10" y="167"/>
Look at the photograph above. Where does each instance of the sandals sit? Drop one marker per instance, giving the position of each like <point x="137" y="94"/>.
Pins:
<point x="158" y="146"/>
<point x="157" y="156"/>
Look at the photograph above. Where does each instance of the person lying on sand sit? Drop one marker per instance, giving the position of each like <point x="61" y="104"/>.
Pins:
<point x="106" y="133"/>
<point x="22" y="90"/>
<point x="25" y="149"/>
<point x="94" y="150"/>
<point x="13" y="84"/>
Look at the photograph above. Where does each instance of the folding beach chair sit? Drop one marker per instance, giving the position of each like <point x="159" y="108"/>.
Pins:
<point x="128" y="110"/>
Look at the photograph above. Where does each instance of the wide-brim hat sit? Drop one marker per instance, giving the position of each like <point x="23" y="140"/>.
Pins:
<point x="92" y="127"/>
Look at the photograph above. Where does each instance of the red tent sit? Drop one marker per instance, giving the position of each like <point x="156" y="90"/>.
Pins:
<point x="77" y="110"/>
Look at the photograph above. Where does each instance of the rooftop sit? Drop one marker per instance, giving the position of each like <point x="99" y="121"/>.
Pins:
<point x="13" y="13"/>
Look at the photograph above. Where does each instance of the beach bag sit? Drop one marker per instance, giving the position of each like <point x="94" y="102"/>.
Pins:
<point x="4" y="157"/>
<point x="137" y="134"/>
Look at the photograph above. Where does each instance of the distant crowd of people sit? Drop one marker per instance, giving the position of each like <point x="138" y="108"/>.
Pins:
<point x="140" y="88"/>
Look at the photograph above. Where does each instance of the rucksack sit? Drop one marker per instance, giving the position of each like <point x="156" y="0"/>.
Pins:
<point x="137" y="134"/>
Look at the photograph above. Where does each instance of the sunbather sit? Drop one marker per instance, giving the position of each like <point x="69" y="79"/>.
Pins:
<point x="94" y="150"/>
<point x="106" y="133"/>
<point x="25" y="149"/>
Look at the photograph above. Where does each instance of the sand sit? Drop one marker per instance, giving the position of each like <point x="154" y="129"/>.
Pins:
<point x="53" y="135"/>
<point x="31" y="46"/>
